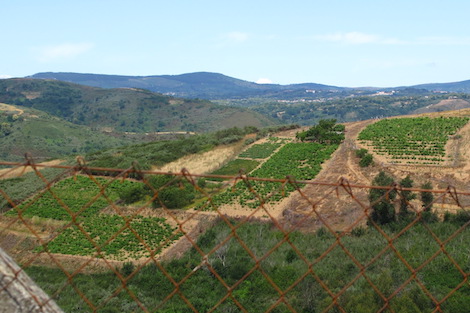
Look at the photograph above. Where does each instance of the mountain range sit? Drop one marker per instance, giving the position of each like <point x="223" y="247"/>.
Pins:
<point x="208" y="85"/>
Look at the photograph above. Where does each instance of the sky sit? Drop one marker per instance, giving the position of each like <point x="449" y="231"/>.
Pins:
<point x="336" y="42"/>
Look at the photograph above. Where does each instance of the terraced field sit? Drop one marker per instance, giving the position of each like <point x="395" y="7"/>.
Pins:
<point x="79" y="201"/>
<point x="419" y="140"/>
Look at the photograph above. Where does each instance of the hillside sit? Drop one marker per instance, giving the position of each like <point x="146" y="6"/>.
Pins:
<point x="207" y="85"/>
<point x="291" y="244"/>
<point x="463" y="86"/>
<point x="303" y="104"/>
<point x="192" y="85"/>
<point x="124" y="109"/>
<point x="45" y="136"/>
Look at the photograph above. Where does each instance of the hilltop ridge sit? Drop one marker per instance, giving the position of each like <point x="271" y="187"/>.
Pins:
<point x="208" y="85"/>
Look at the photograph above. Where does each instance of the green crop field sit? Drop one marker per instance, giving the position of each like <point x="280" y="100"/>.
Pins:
<point x="233" y="167"/>
<point x="300" y="160"/>
<point x="260" y="151"/>
<point x="412" y="140"/>
<point x="80" y="198"/>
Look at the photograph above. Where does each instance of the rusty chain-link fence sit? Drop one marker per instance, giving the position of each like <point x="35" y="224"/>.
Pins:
<point x="107" y="240"/>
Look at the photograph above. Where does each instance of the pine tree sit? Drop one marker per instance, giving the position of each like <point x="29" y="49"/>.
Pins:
<point x="427" y="197"/>
<point x="406" y="196"/>
<point x="383" y="210"/>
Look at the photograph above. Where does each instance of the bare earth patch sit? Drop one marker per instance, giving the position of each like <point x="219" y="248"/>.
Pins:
<point x="17" y="172"/>
<point x="203" y="163"/>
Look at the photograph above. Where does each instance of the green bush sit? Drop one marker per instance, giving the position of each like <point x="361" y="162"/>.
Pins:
<point x="383" y="210"/>
<point x="133" y="194"/>
<point x="360" y="153"/>
<point x="366" y="160"/>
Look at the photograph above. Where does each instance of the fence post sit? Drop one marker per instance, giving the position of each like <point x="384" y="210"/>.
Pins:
<point x="18" y="292"/>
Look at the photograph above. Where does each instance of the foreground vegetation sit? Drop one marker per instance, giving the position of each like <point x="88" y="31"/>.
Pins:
<point x="303" y="278"/>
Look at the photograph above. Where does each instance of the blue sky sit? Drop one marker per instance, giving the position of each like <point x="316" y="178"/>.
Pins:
<point x="342" y="43"/>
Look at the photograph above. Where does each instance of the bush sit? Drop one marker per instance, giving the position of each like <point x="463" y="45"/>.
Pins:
<point x="358" y="231"/>
<point x="383" y="210"/>
<point x="360" y="153"/>
<point x="133" y="194"/>
<point x="249" y="141"/>
<point x="427" y="197"/>
<point x="127" y="269"/>
<point x="460" y="218"/>
<point x="366" y="160"/>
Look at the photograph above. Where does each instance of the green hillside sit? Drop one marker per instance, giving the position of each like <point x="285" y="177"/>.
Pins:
<point x="125" y="109"/>
<point x="46" y="136"/>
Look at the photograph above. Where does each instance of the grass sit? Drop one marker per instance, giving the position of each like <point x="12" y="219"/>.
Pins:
<point x="287" y="270"/>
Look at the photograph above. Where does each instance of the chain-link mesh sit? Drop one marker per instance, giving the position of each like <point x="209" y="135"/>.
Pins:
<point x="108" y="240"/>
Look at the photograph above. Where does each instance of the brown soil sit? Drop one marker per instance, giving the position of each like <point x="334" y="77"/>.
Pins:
<point x="319" y="206"/>
<point x="10" y="108"/>
<point x="18" y="171"/>
<point x="203" y="163"/>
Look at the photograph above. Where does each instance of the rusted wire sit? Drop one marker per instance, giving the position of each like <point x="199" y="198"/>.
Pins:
<point x="315" y="212"/>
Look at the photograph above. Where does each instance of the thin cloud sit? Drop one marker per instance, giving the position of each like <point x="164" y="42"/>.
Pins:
<point x="5" y="76"/>
<point x="356" y="38"/>
<point x="442" y="40"/>
<point x="236" y="36"/>
<point x="264" y="81"/>
<point x="62" y="51"/>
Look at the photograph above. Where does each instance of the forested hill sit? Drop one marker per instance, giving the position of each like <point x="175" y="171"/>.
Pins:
<point x="207" y="85"/>
<point x="192" y="85"/>
<point x="124" y="109"/>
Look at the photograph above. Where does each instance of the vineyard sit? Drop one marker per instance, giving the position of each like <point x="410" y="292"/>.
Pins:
<point x="81" y="198"/>
<point x="419" y="140"/>
<point x="233" y="167"/>
<point x="249" y="159"/>
<point x="263" y="150"/>
<point x="299" y="160"/>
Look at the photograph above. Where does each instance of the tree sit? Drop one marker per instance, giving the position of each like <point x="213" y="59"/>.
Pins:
<point x="383" y="210"/>
<point x="427" y="197"/>
<point x="325" y="132"/>
<point x="406" y="196"/>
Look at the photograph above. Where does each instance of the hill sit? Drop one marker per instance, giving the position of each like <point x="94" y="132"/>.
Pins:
<point x="192" y="85"/>
<point x="45" y="136"/>
<point x="462" y="86"/>
<point x="124" y="109"/>
<point x="311" y="241"/>
<point x="207" y="85"/>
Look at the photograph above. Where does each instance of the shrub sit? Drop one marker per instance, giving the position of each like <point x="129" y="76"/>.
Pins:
<point x="127" y="269"/>
<point x="383" y="211"/>
<point x="366" y="160"/>
<point x="460" y="218"/>
<point x="133" y="194"/>
<point x="427" y="197"/>
<point x="360" y="153"/>
<point x="249" y="141"/>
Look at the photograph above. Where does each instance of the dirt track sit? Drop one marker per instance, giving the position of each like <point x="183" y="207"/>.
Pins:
<point x="331" y="205"/>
